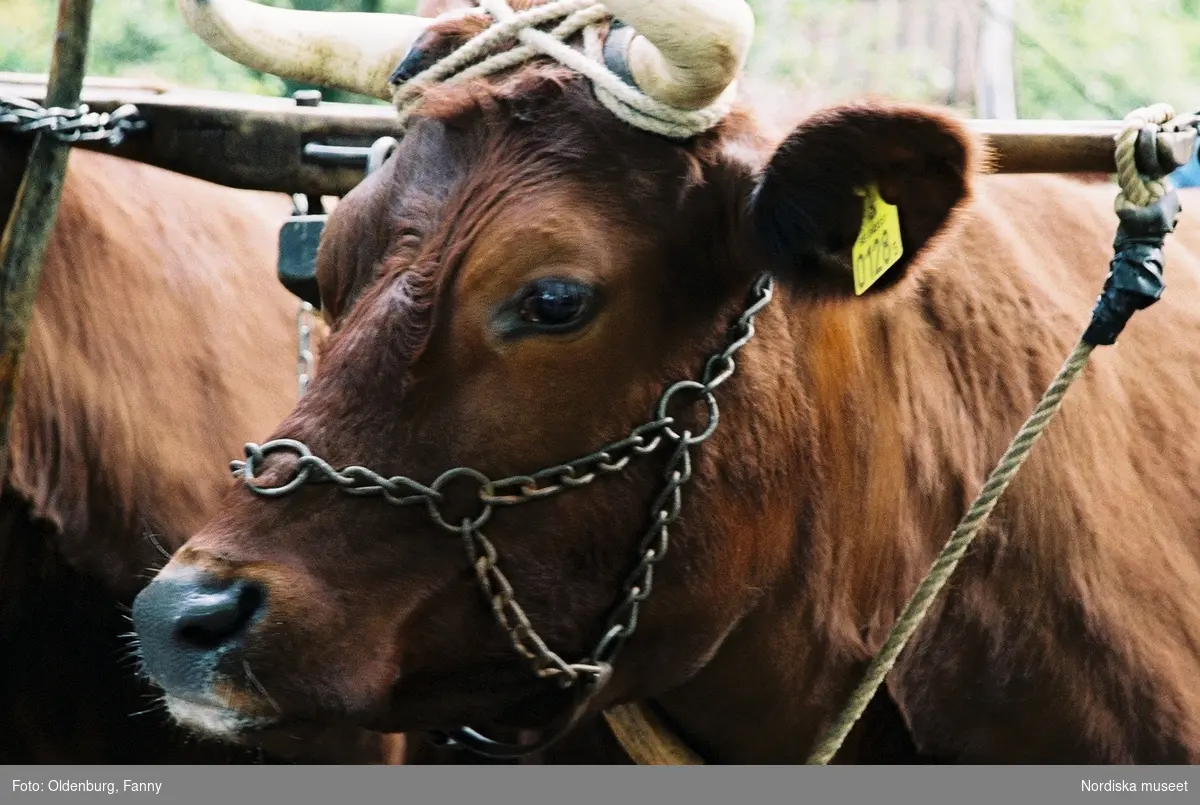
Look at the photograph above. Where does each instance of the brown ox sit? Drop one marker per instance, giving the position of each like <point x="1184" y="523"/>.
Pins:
<point x="518" y="285"/>
<point x="160" y="337"/>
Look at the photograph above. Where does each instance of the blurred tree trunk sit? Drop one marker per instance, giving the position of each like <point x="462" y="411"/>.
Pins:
<point x="995" y="93"/>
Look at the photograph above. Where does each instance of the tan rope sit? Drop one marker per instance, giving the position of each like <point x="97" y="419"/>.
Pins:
<point x="648" y="741"/>
<point x="476" y="58"/>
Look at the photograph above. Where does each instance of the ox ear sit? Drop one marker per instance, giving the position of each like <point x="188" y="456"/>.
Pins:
<point x="865" y="173"/>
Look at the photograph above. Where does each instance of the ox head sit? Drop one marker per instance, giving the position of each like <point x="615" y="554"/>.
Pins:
<point x="514" y="288"/>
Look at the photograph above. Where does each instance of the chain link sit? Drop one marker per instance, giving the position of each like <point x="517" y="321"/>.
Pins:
<point x="511" y="616"/>
<point x="69" y="125"/>
<point x="622" y="621"/>
<point x="304" y="356"/>
<point x="642" y="440"/>
<point x="398" y="490"/>
<point x="611" y="458"/>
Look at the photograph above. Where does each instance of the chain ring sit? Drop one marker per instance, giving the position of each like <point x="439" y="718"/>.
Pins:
<point x="710" y="400"/>
<point x="475" y="523"/>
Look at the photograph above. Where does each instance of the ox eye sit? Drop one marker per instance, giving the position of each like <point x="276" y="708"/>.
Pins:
<point x="555" y="304"/>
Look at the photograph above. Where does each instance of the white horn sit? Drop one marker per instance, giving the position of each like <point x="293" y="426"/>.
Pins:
<point x="685" y="52"/>
<point x="352" y="51"/>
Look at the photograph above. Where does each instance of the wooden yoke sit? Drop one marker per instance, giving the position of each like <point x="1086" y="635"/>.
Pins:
<point x="312" y="147"/>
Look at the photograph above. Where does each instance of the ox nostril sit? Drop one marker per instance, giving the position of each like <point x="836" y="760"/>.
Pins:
<point x="189" y="621"/>
<point x="213" y="617"/>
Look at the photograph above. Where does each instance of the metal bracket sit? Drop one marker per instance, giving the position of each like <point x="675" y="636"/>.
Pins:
<point x="300" y="235"/>
<point x="1162" y="149"/>
<point x="299" y="238"/>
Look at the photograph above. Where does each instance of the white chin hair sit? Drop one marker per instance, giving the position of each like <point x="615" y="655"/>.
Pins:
<point x="217" y="721"/>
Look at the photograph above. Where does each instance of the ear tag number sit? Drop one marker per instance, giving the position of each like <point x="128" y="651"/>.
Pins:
<point x="878" y="246"/>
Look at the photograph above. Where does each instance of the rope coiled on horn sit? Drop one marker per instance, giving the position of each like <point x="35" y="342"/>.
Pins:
<point x="477" y="58"/>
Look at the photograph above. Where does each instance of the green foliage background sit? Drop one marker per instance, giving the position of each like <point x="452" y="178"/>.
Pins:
<point x="1123" y="54"/>
<point x="1074" y="58"/>
<point x="148" y="39"/>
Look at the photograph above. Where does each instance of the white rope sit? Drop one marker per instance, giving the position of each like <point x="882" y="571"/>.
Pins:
<point x="477" y="58"/>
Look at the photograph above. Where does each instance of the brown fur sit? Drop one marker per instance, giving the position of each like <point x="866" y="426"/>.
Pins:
<point x="160" y="341"/>
<point x="853" y="436"/>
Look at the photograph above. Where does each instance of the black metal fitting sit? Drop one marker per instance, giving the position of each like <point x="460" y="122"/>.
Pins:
<point x="1135" y="278"/>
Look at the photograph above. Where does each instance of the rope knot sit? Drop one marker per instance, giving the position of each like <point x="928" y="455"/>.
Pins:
<point x="481" y="56"/>
<point x="1136" y="190"/>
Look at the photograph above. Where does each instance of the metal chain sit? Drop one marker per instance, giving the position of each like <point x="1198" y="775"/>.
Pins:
<point x="642" y="440"/>
<point x="69" y="125"/>
<point x="612" y="458"/>
<point x="511" y="616"/>
<point x="304" y="356"/>
<point x="622" y="621"/>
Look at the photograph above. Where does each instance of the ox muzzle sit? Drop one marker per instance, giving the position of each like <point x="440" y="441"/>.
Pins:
<point x="190" y="624"/>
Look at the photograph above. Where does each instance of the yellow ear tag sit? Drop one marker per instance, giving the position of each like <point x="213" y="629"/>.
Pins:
<point x="878" y="246"/>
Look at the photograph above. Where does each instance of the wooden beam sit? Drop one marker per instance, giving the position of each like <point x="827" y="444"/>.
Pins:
<point x="1050" y="146"/>
<point x="27" y="232"/>
<point x="249" y="141"/>
<point x="268" y="143"/>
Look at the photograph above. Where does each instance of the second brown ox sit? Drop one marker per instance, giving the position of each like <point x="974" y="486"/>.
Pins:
<point x="159" y="336"/>
<point x="517" y="286"/>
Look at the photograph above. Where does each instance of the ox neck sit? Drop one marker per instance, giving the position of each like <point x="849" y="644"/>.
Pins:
<point x="785" y="670"/>
<point x="771" y="709"/>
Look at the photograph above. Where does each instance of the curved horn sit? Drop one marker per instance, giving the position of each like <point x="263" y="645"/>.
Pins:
<point x="686" y="52"/>
<point x="352" y="51"/>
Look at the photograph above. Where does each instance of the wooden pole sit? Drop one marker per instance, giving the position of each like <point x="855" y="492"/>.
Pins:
<point x="23" y="244"/>
<point x="262" y="143"/>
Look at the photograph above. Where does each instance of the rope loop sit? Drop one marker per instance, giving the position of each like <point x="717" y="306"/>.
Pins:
<point x="1136" y="191"/>
<point x="478" y="57"/>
